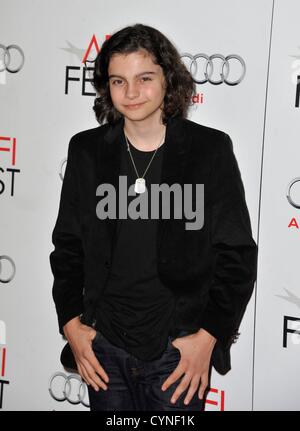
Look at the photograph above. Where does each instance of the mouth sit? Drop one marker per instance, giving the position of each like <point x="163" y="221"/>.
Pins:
<point x="136" y="106"/>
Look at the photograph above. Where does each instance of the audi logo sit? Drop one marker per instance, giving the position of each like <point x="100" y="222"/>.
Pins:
<point x="6" y="53"/>
<point x="72" y="388"/>
<point x="7" y="280"/>
<point x="288" y="193"/>
<point x="62" y="168"/>
<point x="209" y="67"/>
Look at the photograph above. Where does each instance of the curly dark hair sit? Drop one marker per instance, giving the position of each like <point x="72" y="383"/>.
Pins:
<point x="180" y="85"/>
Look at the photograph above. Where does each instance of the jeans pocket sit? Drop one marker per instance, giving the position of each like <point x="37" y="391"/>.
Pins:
<point x="170" y="344"/>
<point x="181" y="333"/>
<point x="98" y="337"/>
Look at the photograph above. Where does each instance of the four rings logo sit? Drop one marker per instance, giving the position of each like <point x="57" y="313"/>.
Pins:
<point x="70" y="388"/>
<point x="12" y="272"/>
<point x="224" y="69"/>
<point x="11" y="58"/>
<point x="62" y="168"/>
<point x="288" y="193"/>
<point x="294" y="201"/>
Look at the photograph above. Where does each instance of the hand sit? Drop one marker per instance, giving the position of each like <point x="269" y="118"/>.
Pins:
<point x="80" y="338"/>
<point x="195" y="350"/>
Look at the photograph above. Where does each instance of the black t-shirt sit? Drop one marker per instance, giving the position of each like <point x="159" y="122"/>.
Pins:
<point x="136" y="310"/>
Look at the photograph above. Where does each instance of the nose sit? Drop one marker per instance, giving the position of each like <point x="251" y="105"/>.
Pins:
<point x="132" y="90"/>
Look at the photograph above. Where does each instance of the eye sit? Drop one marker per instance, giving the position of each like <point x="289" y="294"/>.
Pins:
<point x="116" y="81"/>
<point x="146" y="78"/>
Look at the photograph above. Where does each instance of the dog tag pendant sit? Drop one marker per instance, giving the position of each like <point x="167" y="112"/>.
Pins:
<point x="139" y="186"/>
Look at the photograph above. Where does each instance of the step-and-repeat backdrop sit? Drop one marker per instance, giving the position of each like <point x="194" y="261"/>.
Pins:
<point x="46" y="97"/>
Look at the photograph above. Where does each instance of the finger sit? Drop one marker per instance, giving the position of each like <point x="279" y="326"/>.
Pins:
<point x="84" y="375"/>
<point x="81" y="373"/>
<point x="203" y="386"/>
<point x="173" y="377"/>
<point x="192" y="389"/>
<point x="97" y="366"/>
<point x="93" y="377"/>
<point x="181" y="387"/>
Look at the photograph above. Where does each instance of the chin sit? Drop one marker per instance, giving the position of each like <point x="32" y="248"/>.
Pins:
<point x="138" y="116"/>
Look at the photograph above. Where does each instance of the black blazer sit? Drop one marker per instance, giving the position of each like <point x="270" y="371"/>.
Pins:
<point x="211" y="271"/>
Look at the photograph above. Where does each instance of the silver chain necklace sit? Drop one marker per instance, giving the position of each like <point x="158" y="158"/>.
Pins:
<point x="140" y="185"/>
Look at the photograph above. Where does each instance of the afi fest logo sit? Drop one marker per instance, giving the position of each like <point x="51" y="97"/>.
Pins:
<point x="82" y="74"/>
<point x="291" y="324"/>
<point x="3" y="381"/>
<point x="8" y="149"/>
<point x="295" y="78"/>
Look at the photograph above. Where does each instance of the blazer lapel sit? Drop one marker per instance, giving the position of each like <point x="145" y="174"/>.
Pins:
<point x="174" y="161"/>
<point x="108" y="166"/>
<point x="173" y="164"/>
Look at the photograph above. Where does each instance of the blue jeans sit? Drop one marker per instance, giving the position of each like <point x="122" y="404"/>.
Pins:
<point x="135" y="385"/>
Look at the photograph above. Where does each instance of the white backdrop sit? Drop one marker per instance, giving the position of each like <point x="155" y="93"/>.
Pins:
<point x="277" y="368"/>
<point x="37" y="119"/>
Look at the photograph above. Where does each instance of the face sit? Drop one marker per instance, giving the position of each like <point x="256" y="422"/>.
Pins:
<point x="137" y="85"/>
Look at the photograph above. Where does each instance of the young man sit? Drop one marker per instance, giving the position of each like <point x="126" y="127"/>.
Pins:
<point x="147" y="304"/>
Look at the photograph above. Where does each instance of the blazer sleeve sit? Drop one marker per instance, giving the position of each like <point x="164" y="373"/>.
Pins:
<point x="67" y="258"/>
<point x="234" y="250"/>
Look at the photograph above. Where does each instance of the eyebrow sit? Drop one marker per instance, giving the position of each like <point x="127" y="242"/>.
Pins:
<point x="136" y="76"/>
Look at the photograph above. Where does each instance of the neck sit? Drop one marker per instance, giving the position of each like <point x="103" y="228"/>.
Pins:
<point x="145" y="135"/>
